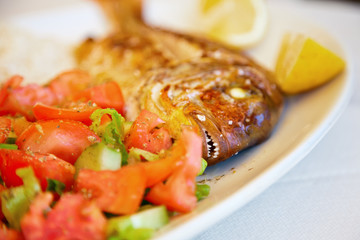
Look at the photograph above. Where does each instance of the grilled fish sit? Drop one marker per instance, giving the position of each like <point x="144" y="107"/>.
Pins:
<point x="231" y="100"/>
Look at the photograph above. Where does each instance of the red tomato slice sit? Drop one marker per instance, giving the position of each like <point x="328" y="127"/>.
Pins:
<point x="117" y="192"/>
<point x="31" y="94"/>
<point x="66" y="84"/>
<point x="2" y="188"/>
<point x="5" y="128"/>
<point x="157" y="171"/>
<point x="73" y="217"/>
<point x="9" y="234"/>
<point x="12" y="82"/>
<point x="107" y="95"/>
<point x="20" y="100"/>
<point x="44" y="166"/>
<point x="178" y="193"/>
<point x="33" y="222"/>
<point x="66" y="139"/>
<point x="80" y="112"/>
<point x="144" y="134"/>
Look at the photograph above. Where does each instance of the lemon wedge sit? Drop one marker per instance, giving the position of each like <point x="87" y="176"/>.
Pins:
<point x="304" y="64"/>
<point x="238" y="23"/>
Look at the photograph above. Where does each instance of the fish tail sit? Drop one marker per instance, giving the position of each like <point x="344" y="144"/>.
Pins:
<point x="125" y="16"/>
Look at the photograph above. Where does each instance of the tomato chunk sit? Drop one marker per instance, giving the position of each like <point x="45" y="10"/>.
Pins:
<point x="144" y="133"/>
<point x="16" y="99"/>
<point x="106" y="95"/>
<point x="33" y="222"/>
<point x="117" y="192"/>
<point x="69" y="83"/>
<point x="9" y="234"/>
<point x="178" y="193"/>
<point x="12" y="82"/>
<point x="44" y="166"/>
<point x="80" y="112"/>
<point x="76" y="218"/>
<point x="5" y="128"/>
<point x="73" y="217"/>
<point x="66" y="139"/>
<point x="157" y="171"/>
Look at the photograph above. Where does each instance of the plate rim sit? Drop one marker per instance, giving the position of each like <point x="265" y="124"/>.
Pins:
<point x="265" y="179"/>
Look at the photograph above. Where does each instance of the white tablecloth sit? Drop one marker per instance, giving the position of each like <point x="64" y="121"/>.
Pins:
<point x="320" y="197"/>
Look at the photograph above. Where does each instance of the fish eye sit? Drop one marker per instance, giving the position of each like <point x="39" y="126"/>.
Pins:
<point x="238" y="93"/>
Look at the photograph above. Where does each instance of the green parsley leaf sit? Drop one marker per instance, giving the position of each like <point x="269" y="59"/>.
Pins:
<point x="202" y="191"/>
<point x="8" y="146"/>
<point x="55" y="186"/>
<point x="114" y="134"/>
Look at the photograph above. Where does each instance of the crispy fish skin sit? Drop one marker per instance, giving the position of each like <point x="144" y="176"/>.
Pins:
<point x="185" y="80"/>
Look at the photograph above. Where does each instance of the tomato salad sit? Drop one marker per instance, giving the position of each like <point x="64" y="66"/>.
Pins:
<point x="72" y="167"/>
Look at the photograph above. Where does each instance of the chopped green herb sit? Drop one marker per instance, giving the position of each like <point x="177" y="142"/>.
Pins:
<point x="202" y="191"/>
<point x="8" y="146"/>
<point x="10" y="140"/>
<point x="55" y="186"/>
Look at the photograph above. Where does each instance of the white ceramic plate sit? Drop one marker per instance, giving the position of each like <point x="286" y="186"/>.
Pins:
<point x="236" y="181"/>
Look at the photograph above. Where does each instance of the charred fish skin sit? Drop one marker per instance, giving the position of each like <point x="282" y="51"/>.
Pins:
<point x="231" y="105"/>
<point x="233" y="102"/>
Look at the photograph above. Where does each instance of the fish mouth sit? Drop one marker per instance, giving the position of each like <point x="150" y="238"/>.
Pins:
<point x="229" y="105"/>
<point x="215" y="145"/>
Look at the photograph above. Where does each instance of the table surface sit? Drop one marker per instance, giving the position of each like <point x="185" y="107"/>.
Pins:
<point x="320" y="197"/>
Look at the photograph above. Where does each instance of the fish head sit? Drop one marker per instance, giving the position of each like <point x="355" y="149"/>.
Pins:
<point x="230" y="105"/>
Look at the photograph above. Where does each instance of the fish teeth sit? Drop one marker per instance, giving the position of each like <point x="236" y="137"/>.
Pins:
<point x="212" y="147"/>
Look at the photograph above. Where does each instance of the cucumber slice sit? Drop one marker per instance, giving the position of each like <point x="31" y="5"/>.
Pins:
<point x="203" y="166"/>
<point x="99" y="157"/>
<point x="16" y="200"/>
<point x="146" y="221"/>
<point x="138" y="153"/>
